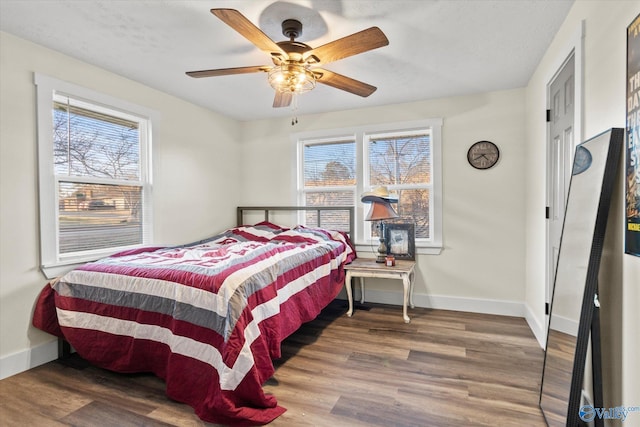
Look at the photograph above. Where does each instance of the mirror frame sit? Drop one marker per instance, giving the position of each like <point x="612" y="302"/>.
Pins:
<point x="614" y="137"/>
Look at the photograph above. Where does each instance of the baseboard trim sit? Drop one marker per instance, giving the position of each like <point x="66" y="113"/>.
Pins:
<point x="21" y="361"/>
<point x="472" y="305"/>
<point x="565" y="325"/>
<point x="539" y="331"/>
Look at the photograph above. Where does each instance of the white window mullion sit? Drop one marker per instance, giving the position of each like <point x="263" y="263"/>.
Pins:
<point x="101" y="181"/>
<point x="330" y="189"/>
<point x="57" y="219"/>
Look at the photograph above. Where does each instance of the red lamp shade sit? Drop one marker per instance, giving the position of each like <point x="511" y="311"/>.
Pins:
<point x="381" y="211"/>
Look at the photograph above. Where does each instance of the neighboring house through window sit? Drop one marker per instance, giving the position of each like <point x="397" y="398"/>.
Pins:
<point x="95" y="180"/>
<point x="337" y="166"/>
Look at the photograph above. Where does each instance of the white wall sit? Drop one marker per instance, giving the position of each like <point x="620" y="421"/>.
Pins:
<point x="482" y="265"/>
<point x="603" y="104"/>
<point x="195" y="169"/>
<point x="494" y="227"/>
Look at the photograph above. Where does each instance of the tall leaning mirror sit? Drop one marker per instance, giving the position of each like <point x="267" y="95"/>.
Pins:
<point x="575" y="286"/>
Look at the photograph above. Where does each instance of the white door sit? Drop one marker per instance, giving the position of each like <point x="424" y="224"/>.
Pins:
<point x="561" y="147"/>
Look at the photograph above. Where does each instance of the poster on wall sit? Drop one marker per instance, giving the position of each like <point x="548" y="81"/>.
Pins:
<point x="632" y="157"/>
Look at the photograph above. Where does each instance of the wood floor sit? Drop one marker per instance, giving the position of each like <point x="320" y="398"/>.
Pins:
<point x="445" y="368"/>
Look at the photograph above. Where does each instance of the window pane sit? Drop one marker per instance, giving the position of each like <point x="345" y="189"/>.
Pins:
<point x="414" y="207"/>
<point x="95" y="216"/>
<point x="402" y="160"/>
<point x="89" y="143"/>
<point x="335" y="220"/>
<point x="330" y="164"/>
<point x="375" y="227"/>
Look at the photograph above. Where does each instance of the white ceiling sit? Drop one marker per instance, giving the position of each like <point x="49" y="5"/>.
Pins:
<point x="437" y="48"/>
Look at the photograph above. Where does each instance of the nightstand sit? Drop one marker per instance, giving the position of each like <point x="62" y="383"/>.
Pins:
<point x="363" y="267"/>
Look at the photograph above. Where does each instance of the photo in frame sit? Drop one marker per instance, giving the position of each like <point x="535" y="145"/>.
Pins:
<point x="632" y="151"/>
<point x="400" y="240"/>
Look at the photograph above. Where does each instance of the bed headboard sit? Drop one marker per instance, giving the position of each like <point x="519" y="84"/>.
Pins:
<point x="336" y="217"/>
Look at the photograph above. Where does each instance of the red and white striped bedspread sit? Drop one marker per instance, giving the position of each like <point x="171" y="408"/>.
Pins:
<point x="207" y="317"/>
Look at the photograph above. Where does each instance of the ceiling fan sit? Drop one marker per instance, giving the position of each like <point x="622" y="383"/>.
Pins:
<point x="296" y="65"/>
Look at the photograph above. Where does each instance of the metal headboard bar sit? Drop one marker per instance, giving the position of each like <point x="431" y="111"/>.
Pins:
<point x="266" y="209"/>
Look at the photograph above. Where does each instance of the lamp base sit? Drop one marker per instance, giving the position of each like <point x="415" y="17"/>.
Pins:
<point x="382" y="249"/>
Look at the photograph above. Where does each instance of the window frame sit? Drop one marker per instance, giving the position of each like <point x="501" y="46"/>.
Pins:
<point x="319" y="189"/>
<point x="363" y="239"/>
<point x="48" y="90"/>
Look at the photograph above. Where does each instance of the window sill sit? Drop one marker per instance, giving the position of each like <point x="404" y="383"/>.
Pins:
<point x="421" y="250"/>
<point x="55" y="270"/>
<point x="69" y="262"/>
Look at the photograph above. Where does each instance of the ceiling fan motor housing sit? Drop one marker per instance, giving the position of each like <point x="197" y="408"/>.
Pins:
<point x="292" y="28"/>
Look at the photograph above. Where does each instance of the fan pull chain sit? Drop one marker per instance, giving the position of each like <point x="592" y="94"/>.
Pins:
<point x="294" y="109"/>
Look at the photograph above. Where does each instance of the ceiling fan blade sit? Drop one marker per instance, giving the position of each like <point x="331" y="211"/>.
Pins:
<point x="227" y="71"/>
<point x="246" y="28"/>
<point x="339" y="81"/>
<point x="363" y="41"/>
<point x="282" y="99"/>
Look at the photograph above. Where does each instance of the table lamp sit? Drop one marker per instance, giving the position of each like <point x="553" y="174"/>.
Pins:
<point x="380" y="210"/>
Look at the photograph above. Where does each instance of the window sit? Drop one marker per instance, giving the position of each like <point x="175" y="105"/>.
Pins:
<point x="402" y="161"/>
<point x="335" y="167"/>
<point x="95" y="184"/>
<point x="329" y="179"/>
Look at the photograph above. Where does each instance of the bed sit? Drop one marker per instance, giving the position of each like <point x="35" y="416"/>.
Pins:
<point x="207" y="317"/>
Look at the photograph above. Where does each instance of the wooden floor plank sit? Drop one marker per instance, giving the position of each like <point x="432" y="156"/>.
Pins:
<point x="445" y="368"/>
<point x="108" y="415"/>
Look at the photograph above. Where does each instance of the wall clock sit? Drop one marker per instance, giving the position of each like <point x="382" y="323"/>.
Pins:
<point x="483" y="155"/>
<point x="581" y="161"/>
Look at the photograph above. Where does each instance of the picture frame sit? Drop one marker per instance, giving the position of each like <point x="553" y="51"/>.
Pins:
<point x="400" y="240"/>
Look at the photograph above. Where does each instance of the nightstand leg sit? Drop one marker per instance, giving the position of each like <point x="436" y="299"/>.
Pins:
<point x="406" y="282"/>
<point x="412" y="278"/>
<point x="347" y="285"/>
<point x="361" y="279"/>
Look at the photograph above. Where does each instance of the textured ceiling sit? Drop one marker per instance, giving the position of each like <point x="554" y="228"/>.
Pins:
<point x="437" y="48"/>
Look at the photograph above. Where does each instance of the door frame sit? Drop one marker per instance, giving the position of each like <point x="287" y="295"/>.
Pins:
<point x="575" y="48"/>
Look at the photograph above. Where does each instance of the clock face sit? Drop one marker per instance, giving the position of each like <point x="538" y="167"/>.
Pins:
<point x="483" y="155"/>
<point x="581" y="161"/>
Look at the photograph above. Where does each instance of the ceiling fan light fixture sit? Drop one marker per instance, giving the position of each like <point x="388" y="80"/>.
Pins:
<point x="292" y="78"/>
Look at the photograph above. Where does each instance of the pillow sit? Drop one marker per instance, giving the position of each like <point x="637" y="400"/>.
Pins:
<point x="271" y="225"/>
<point x="260" y="232"/>
<point x="296" y="236"/>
